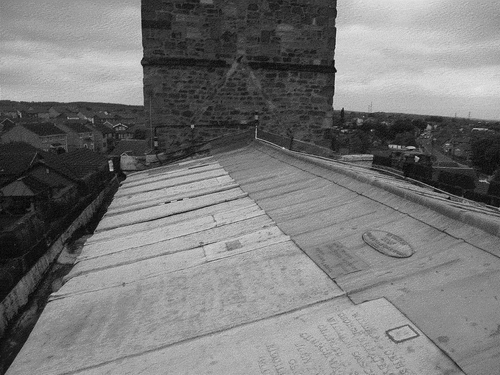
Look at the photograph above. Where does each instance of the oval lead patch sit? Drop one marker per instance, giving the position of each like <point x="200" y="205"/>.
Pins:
<point x="388" y="244"/>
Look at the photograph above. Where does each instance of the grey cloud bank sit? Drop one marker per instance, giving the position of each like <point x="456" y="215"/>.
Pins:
<point x="418" y="56"/>
<point x="71" y="51"/>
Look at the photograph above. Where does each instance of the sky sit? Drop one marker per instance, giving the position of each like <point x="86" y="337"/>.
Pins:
<point x="435" y="57"/>
<point x="438" y="57"/>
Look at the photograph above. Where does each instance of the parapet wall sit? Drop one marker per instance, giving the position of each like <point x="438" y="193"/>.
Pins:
<point x="216" y="63"/>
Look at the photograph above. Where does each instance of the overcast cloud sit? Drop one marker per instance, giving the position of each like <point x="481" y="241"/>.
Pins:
<point x="65" y="50"/>
<point x="415" y="56"/>
<point x="419" y="56"/>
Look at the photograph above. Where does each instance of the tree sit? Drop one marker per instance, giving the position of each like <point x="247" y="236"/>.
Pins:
<point x="400" y="126"/>
<point x="419" y="124"/>
<point x="437" y="119"/>
<point x="486" y="153"/>
<point x="359" y="142"/>
<point x="405" y="139"/>
<point x="140" y="133"/>
<point x="495" y="126"/>
<point x="381" y="131"/>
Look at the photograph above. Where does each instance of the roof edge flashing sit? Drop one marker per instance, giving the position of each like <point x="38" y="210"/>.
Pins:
<point x="488" y="226"/>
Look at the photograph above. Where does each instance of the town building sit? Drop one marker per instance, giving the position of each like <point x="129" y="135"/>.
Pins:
<point x="121" y="130"/>
<point x="45" y="136"/>
<point x="38" y="112"/>
<point x="79" y="135"/>
<point x="86" y="115"/>
<point x="6" y="124"/>
<point x="15" y="159"/>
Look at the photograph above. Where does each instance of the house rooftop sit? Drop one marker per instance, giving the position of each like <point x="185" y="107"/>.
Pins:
<point x="37" y="109"/>
<point x="77" y="127"/>
<point x="82" y="161"/>
<point x="103" y="128"/>
<point x="16" y="158"/>
<point x="133" y="147"/>
<point x="43" y="129"/>
<point x="26" y="186"/>
<point x="87" y="113"/>
<point x="264" y="261"/>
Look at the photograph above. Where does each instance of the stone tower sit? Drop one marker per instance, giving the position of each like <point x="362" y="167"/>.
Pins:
<point x="220" y="64"/>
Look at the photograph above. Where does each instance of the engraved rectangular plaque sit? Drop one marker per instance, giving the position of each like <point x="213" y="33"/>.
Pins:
<point x="336" y="260"/>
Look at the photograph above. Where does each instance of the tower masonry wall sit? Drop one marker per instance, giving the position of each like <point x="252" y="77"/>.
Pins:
<point x="220" y="63"/>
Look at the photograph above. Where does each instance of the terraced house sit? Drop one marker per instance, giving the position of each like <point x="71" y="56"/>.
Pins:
<point x="79" y="135"/>
<point x="45" y="136"/>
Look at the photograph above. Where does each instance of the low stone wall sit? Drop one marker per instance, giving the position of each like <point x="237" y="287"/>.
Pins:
<point x="18" y="297"/>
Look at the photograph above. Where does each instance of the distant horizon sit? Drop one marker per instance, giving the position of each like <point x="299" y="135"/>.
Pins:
<point x="71" y="102"/>
<point x="335" y="109"/>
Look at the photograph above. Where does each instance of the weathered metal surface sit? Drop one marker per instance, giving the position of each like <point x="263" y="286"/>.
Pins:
<point x="324" y="339"/>
<point x="151" y="198"/>
<point x="93" y="328"/>
<point x="107" y="256"/>
<point x="214" y="285"/>
<point x="357" y="207"/>
<point x="163" y="173"/>
<point x="218" y="210"/>
<point x="186" y="179"/>
<point x="263" y="238"/>
<point x="388" y="244"/>
<point x="463" y="318"/>
<point x="168" y="209"/>
<point x="118" y="274"/>
<point x="336" y="260"/>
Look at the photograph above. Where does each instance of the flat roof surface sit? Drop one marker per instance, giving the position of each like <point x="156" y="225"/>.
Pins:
<point x="261" y="261"/>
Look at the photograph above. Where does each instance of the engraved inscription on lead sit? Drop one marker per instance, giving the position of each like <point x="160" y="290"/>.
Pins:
<point x="344" y="343"/>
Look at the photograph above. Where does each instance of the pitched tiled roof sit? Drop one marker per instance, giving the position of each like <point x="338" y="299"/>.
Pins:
<point x="43" y="129"/>
<point x="37" y="109"/>
<point x="24" y="187"/>
<point x="8" y="123"/>
<point x="82" y="161"/>
<point x="104" y="116"/>
<point x="59" y="109"/>
<point x="53" y="161"/>
<point x="133" y="147"/>
<point x="16" y="158"/>
<point x="103" y="128"/>
<point x="87" y="113"/>
<point x="78" y="127"/>
<point x="12" y="165"/>
<point x="16" y="148"/>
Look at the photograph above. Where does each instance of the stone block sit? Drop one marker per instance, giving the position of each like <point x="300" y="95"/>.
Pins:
<point x="283" y="42"/>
